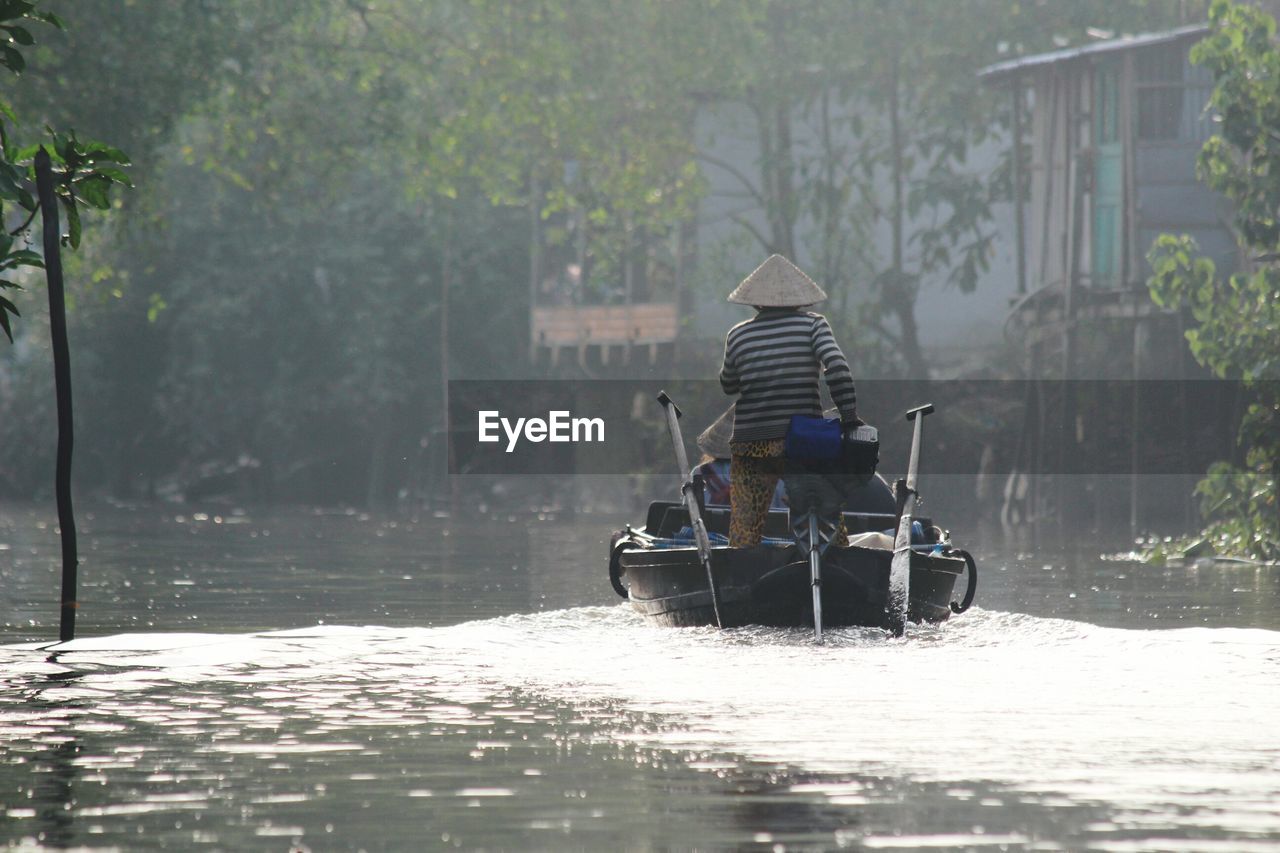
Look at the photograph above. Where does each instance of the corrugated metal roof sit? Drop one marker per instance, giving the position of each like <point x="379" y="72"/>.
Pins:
<point x="1012" y="67"/>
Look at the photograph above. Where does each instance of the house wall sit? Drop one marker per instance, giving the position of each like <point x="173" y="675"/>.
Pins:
<point x="1170" y="199"/>
<point x="1060" y="130"/>
<point x="1164" y="193"/>
<point x="1162" y="125"/>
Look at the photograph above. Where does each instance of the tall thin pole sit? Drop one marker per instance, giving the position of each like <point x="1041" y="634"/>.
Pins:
<point x="62" y="389"/>
<point x="1076" y="163"/>
<point x="535" y="260"/>
<point x="899" y="204"/>
<point x="446" y="284"/>
<point x="628" y="286"/>
<point x="1018" y="171"/>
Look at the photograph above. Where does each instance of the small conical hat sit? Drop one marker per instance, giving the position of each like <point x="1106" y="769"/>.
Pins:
<point x="714" y="440"/>
<point x="777" y="283"/>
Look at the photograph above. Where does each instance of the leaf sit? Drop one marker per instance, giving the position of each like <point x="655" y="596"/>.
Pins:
<point x="7" y="308"/>
<point x="156" y="306"/>
<point x="73" y="222"/>
<point x="49" y="18"/>
<point x="8" y="187"/>
<point x="10" y="57"/>
<point x="94" y="190"/>
<point x="11" y="9"/>
<point x="69" y="147"/>
<point x="21" y="258"/>
<point x="116" y="175"/>
<point x="98" y="151"/>
<point x="21" y="35"/>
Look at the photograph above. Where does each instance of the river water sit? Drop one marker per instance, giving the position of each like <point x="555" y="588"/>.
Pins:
<point x="338" y="681"/>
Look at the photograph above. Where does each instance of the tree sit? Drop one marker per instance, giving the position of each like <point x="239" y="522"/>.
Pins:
<point x="866" y="115"/>
<point x="271" y="303"/>
<point x="1237" y="317"/>
<point x="84" y="174"/>
<point x="322" y="174"/>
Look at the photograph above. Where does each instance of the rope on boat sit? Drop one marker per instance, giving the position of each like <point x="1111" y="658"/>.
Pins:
<point x="973" y="582"/>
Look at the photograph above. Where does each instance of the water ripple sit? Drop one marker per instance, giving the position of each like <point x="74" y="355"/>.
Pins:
<point x="1162" y="727"/>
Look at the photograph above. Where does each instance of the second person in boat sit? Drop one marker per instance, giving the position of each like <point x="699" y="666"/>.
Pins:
<point x="772" y="362"/>
<point x="715" y="467"/>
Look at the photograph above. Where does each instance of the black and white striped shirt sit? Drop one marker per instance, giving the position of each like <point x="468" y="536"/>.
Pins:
<point x="772" y="361"/>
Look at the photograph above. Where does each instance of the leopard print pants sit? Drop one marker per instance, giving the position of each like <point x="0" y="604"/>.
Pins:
<point x="753" y="475"/>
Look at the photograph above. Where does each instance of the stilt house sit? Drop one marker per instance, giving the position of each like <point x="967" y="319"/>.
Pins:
<point x="1106" y="163"/>
<point x="1114" y="133"/>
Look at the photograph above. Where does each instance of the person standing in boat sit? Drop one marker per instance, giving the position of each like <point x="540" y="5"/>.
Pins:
<point x="772" y="363"/>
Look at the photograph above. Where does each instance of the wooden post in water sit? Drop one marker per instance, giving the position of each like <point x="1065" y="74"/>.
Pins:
<point x="1019" y="169"/>
<point x="62" y="389"/>
<point x="448" y="269"/>
<point x="1078" y="162"/>
<point x="535" y="259"/>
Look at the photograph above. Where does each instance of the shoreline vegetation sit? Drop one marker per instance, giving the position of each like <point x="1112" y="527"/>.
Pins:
<point x="278" y="307"/>
<point x="1236" y="317"/>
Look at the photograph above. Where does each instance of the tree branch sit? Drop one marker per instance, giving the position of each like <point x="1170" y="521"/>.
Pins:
<point x="733" y="170"/>
<point x="23" y="227"/>
<point x="755" y="232"/>
<point x="895" y="340"/>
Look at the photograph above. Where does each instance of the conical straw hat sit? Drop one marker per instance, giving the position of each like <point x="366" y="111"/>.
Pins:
<point x="777" y="283"/>
<point x="714" y="440"/>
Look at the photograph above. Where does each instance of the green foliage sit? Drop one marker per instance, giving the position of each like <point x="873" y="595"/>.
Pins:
<point x="582" y="103"/>
<point x="1237" y="317"/>
<point x="84" y="172"/>
<point x="273" y="289"/>
<point x="274" y="296"/>
<point x="128" y="71"/>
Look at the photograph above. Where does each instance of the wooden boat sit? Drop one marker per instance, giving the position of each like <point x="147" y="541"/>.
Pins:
<point x="664" y="579"/>
<point x="895" y="568"/>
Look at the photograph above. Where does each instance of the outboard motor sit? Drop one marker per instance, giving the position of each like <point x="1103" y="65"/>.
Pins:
<point x="860" y="453"/>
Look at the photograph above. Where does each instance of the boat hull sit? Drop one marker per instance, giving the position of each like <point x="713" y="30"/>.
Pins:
<point x="769" y="585"/>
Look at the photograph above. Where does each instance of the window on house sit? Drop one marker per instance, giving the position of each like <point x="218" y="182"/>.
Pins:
<point x="1160" y="91"/>
<point x="1108" y="105"/>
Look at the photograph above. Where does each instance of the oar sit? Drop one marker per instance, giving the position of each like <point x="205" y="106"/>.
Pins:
<point x="690" y="499"/>
<point x="900" y="568"/>
<point x="815" y="576"/>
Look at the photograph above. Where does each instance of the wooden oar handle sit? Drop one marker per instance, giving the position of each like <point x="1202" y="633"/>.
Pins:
<point x="667" y="401"/>
<point x="926" y="409"/>
<point x="690" y="500"/>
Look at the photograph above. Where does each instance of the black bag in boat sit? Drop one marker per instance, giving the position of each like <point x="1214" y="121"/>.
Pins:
<point x="860" y="452"/>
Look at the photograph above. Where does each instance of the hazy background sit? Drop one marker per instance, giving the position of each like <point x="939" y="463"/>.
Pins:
<point x="264" y="318"/>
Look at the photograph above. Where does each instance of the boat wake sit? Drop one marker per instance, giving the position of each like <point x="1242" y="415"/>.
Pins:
<point x="1136" y="718"/>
